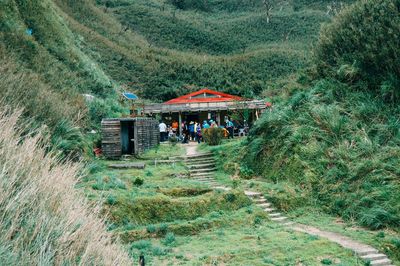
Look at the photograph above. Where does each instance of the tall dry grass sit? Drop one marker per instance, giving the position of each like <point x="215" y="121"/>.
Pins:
<point x="44" y="219"/>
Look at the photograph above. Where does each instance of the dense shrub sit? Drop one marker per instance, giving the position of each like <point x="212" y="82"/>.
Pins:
<point x="361" y="46"/>
<point x="340" y="146"/>
<point x="213" y="136"/>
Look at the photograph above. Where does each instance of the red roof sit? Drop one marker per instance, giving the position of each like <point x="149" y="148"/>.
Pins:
<point x="204" y="95"/>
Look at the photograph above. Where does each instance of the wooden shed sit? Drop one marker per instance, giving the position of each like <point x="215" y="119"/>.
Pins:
<point x="122" y="136"/>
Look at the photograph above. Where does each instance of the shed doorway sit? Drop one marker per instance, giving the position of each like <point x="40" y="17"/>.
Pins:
<point x="127" y="137"/>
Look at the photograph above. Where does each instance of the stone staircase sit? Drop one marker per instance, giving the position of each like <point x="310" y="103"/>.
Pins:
<point x="365" y="252"/>
<point x="202" y="168"/>
<point x="261" y="202"/>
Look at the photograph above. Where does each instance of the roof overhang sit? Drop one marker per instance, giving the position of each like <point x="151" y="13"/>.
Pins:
<point x="158" y="108"/>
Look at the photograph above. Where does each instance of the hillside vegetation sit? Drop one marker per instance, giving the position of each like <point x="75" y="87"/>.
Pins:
<point x="338" y="143"/>
<point x="155" y="47"/>
<point x="44" y="220"/>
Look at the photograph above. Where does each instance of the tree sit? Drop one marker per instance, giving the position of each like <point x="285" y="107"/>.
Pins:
<point x="268" y="4"/>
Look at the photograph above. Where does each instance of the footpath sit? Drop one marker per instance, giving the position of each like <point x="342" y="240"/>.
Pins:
<point x="202" y="167"/>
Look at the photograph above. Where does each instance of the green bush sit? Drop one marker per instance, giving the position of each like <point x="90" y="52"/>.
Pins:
<point x="361" y="46"/>
<point x="151" y="228"/>
<point x="169" y="239"/>
<point x="326" y="262"/>
<point x="213" y="136"/>
<point x="111" y="200"/>
<point x="141" y="245"/>
<point x="138" y="181"/>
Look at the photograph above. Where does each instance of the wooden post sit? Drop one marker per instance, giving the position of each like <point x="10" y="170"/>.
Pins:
<point x="218" y="118"/>
<point x="180" y="124"/>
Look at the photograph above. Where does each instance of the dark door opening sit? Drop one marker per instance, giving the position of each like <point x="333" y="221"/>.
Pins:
<point x="192" y="118"/>
<point x="127" y="136"/>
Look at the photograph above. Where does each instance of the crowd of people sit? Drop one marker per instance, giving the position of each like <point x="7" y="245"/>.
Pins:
<point x="192" y="131"/>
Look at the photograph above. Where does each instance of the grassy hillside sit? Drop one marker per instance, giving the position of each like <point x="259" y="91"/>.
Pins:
<point x="44" y="218"/>
<point x="337" y="143"/>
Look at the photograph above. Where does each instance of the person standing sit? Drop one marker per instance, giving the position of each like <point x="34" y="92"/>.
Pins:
<point x="229" y="127"/>
<point x="163" y="131"/>
<point x="191" y="130"/>
<point x="205" y="124"/>
<point x="198" y="133"/>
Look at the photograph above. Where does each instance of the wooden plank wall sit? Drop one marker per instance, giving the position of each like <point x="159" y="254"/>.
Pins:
<point x="147" y="135"/>
<point x="111" y="138"/>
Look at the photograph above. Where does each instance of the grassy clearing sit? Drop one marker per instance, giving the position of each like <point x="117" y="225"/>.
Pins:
<point x="247" y="239"/>
<point x="176" y="221"/>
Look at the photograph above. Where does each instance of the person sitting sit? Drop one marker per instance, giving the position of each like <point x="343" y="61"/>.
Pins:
<point x="175" y="126"/>
<point x="171" y="133"/>
<point x="205" y="124"/>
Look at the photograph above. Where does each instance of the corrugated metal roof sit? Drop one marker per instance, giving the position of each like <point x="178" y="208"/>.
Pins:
<point x="208" y="96"/>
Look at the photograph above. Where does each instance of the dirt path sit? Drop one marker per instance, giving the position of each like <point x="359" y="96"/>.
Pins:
<point x="366" y="252"/>
<point x="191" y="148"/>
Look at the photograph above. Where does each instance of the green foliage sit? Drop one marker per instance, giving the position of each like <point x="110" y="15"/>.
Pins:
<point x="335" y="146"/>
<point x="326" y="261"/>
<point x="138" y="181"/>
<point x="108" y="182"/>
<point x="151" y="228"/>
<point x="158" y="209"/>
<point x="111" y="200"/>
<point x="141" y="245"/>
<point x="246" y="172"/>
<point x="169" y="239"/>
<point x="68" y="139"/>
<point x="213" y="136"/>
<point x="361" y="45"/>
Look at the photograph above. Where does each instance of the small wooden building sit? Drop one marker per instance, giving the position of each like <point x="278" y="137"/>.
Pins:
<point x="122" y="136"/>
<point x="203" y="105"/>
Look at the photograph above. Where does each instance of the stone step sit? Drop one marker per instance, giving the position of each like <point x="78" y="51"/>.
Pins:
<point x="367" y="251"/>
<point x="288" y="223"/>
<point x="260" y="200"/>
<point x="279" y="219"/>
<point x="275" y="214"/>
<point x="189" y="157"/>
<point x="252" y="194"/>
<point x="207" y="175"/>
<point x="377" y="256"/>
<point x="202" y="178"/>
<point x="199" y="155"/>
<point x="382" y="262"/>
<point x="201" y="166"/>
<point x="264" y="205"/>
<point x="222" y="188"/>
<point x="204" y="159"/>
<point x="269" y="209"/>
<point x="203" y="170"/>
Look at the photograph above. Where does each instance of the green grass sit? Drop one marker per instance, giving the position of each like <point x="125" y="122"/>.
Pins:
<point x="386" y="240"/>
<point x="297" y="199"/>
<point x="174" y="220"/>
<point x="244" y="242"/>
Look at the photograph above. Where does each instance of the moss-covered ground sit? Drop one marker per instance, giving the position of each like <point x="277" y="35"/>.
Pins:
<point x="172" y="220"/>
